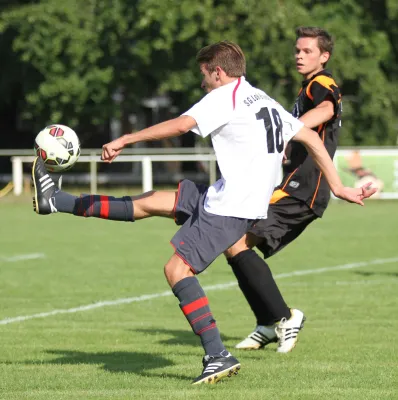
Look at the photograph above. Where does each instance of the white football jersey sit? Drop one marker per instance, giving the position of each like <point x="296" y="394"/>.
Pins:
<point x="249" y="131"/>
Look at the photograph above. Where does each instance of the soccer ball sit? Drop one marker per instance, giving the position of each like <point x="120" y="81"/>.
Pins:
<point x="58" y="146"/>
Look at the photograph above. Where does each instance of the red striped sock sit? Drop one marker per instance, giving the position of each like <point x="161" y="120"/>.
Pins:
<point x="106" y="207"/>
<point x="195" y="306"/>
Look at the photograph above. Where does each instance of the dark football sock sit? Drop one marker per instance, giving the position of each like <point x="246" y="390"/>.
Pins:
<point x="64" y="202"/>
<point x="263" y="315"/>
<point x="259" y="287"/>
<point x="194" y="305"/>
<point x="106" y="207"/>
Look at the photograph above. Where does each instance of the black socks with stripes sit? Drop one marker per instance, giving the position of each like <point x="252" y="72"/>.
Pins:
<point x="195" y="306"/>
<point x="106" y="207"/>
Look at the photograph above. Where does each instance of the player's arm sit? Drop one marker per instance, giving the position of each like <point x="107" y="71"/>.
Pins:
<point x="171" y="128"/>
<point x="322" y="113"/>
<point x="315" y="147"/>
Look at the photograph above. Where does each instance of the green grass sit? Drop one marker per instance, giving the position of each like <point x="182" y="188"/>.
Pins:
<point x="145" y="350"/>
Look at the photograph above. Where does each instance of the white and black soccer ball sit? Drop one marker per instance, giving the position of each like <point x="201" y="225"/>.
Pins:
<point x="58" y="146"/>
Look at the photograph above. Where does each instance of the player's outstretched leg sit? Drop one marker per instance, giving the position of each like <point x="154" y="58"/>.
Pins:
<point x="49" y="199"/>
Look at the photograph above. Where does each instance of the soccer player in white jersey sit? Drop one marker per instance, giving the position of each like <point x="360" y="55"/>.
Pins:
<point x="248" y="130"/>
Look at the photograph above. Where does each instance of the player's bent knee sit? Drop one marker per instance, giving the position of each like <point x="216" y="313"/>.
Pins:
<point x="175" y="270"/>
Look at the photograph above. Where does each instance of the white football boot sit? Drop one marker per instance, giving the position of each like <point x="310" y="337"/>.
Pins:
<point x="287" y="331"/>
<point x="261" y="336"/>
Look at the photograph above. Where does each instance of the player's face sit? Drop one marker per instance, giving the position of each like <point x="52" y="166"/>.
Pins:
<point x="309" y="59"/>
<point x="210" y="80"/>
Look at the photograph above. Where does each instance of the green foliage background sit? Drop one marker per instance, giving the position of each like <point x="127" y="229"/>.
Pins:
<point x="63" y="61"/>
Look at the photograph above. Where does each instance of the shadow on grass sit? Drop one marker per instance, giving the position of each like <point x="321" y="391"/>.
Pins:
<point x="182" y="337"/>
<point x="186" y="337"/>
<point x="115" y="362"/>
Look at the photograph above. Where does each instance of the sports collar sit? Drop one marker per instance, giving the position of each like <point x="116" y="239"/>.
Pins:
<point x="325" y="72"/>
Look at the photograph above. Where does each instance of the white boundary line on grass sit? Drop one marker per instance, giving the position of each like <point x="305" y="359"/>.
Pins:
<point x="22" y="257"/>
<point x="221" y="286"/>
<point x="368" y="282"/>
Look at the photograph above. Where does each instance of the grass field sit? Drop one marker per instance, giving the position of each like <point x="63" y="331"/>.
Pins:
<point x="138" y="347"/>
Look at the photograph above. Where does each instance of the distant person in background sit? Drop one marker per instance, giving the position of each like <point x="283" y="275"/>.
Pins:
<point x="363" y="175"/>
<point x="300" y="199"/>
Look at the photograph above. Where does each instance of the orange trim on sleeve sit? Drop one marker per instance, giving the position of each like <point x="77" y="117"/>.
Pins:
<point x="323" y="80"/>
<point x="308" y="92"/>
<point x="277" y="195"/>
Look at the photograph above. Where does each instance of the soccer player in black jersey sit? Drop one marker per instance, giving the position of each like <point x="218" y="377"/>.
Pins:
<point x="301" y="198"/>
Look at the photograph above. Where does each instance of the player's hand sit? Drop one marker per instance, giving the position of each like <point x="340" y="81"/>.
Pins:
<point x="356" y="195"/>
<point x="368" y="190"/>
<point x="111" y="150"/>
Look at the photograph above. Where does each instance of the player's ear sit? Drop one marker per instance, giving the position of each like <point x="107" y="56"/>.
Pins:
<point x="325" y="57"/>
<point x="219" y="72"/>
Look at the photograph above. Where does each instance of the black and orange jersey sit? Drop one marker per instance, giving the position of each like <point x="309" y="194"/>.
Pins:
<point x="301" y="178"/>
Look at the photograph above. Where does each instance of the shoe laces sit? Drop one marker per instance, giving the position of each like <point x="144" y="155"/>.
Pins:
<point x="280" y="330"/>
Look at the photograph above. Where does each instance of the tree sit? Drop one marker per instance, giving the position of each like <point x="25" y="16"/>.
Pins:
<point x="266" y="32"/>
<point x="63" y="69"/>
<point x="69" y="60"/>
<point x="362" y="49"/>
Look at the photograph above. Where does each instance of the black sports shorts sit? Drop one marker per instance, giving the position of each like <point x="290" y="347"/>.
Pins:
<point x="287" y="218"/>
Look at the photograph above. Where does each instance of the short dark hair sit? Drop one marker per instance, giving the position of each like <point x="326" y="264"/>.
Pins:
<point x="325" y="40"/>
<point x="226" y="55"/>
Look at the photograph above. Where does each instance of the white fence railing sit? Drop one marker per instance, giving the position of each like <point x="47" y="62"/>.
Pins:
<point x="146" y="162"/>
<point x="383" y="162"/>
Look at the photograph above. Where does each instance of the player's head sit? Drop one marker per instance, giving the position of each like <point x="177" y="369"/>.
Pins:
<point x="220" y="63"/>
<point x="314" y="47"/>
